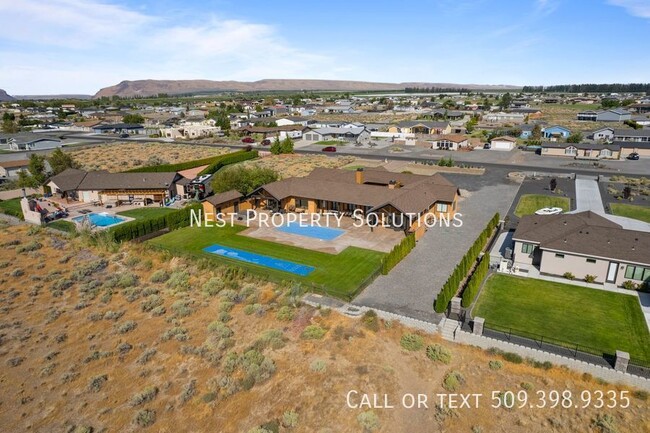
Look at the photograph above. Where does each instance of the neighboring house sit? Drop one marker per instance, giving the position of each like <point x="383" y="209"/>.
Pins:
<point x="532" y="113"/>
<point x="603" y="134"/>
<point x="640" y="108"/>
<point x="640" y="147"/>
<point x="421" y="127"/>
<point x="281" y="132"/>
<point x="503" y="143"/>
<point x="191" y="130"/>
<point x="450" y="142"/>
<point x="641" y="120"/>
<point x="10" y="169"/>
<point x="26" y="141"/>
<point x="302" y="121"/>
<point x="555" y="132"/>
<point x="229" y="202"/>
<point x="613" y="115"/>
<point x="105" y="187"/>
<point x="582" y="150"/>
<point x="582" y="244"/>
<point x="354" y="134"/>
<point x="632" y="135"/>
<point x="401" y="199"/>
<point x="526" y="130"/>
<point x="504" y="117"/>
<point x="340" y="109"/>
<point x="119" y="128"/>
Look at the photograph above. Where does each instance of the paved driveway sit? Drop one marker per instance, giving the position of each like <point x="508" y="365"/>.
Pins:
<point x="411" y="287"/>
<point x="588" y="195"/>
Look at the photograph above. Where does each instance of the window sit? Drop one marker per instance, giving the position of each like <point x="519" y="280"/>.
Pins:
<point x="606" y="153"/>
<point x="442" y="207"/>
<point x="591" y="260"/>
<point x="637" y="273"/>
<point x="301" y="202"/>
<point x="571" y="150"/>
<point x="559" y="256"/>
<point x="527" y="248"/>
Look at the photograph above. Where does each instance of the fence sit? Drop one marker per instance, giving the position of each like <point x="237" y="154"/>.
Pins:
<point x="592" y="355"/>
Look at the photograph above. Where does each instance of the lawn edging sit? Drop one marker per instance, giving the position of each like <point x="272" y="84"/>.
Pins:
<point x="213" y="163"/>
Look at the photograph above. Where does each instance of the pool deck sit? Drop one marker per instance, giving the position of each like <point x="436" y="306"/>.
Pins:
<point x="379" y="239"/>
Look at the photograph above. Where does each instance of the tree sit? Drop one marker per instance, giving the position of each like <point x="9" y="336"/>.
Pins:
<point x="60" y="161"/>
<point x="286" y="146"/>
<point x="37" y="169"/>
<point x="627" y="192"/>
<point x="221" y="119"/>
<point x="553" y="184"/>
<point x="244" y="180"/>
<point x="505" y="101"/>
<point x="575" y="137"/>
<point x="133" y="118"/>
<point x="9" y="123"/>
<point x="536" y="133"/>
<point x="276" y="147"/>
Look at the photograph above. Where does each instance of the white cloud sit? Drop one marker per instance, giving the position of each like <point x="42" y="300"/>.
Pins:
<point x="637" y="8"/>
<point x="110" y="43"/>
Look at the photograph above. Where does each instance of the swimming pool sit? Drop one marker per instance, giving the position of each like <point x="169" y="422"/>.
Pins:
<point x="100" y="219"/>
<point x="259" y="259"/>
<point x="318" y="232"/>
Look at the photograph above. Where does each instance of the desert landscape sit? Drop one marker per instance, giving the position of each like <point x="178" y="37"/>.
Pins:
<point x="101" y="337"/>
<point x="116" y="157"/>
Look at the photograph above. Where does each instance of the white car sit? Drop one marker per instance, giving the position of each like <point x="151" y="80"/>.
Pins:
<point x="549" y="211"/>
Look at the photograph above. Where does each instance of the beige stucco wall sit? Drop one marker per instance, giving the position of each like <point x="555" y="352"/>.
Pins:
<point x="577" y="265"/>
<point x="519" y="257"/>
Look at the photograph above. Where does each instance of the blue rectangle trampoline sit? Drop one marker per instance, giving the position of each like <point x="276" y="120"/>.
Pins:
<point x="312" y="231"/>
<point x="261" y="260"/>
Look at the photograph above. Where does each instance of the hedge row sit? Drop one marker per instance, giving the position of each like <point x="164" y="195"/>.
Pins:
<point x="398" y="252"/>
<point x="460" y="272"/>
<point x="165" y="168"/>
<point x="138" y="228"/>
<point x="231" y="158"/>
<point x="474" y="283"/>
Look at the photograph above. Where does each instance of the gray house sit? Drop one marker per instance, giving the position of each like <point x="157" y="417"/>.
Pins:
<point x="581" y="244"/>
<point x="30" y="141"/>
<point x="355" y="134"/>
<point x="613" y="115"/>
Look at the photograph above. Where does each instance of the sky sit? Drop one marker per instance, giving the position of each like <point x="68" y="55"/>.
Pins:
<point x="80" y="46"/>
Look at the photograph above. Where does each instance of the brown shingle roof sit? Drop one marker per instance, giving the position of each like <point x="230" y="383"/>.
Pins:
<point x="416" y="194"/>
<point x="15" y="163"/>
<point x="102" y="180"/>
<point x="69" y="179"/>
<point x="224" y="197"/>
<point x="585" y="233"/>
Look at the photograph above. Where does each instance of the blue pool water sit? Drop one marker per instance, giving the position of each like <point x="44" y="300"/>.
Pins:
<point x="258" y="259"/>
<point x="100" y="219"/>
<point x="318" y="232"/>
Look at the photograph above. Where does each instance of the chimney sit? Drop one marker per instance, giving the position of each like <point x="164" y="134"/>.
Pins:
<point x="358" y="176"/>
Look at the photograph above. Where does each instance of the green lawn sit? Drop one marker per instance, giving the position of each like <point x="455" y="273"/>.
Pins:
<point x="11" y="207"/>
<point x="146" y="212"/>
<point x="331" y="143"/>
<point x="529" y="203"/>
<point x="594" y="318"/>
<point x="631" y="211"/>
<point x="64" y="226"/>
<point x="341" y="273"/>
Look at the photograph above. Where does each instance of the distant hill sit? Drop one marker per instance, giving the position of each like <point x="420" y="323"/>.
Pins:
<point x="49" y="97"/>
<point x="4" y="97"/>
<point x="174" y="87"/>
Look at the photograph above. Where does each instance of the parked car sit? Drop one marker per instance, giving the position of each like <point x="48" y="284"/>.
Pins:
<point x="247" y="140"/>
<point x="329" y="149"/>
<point x="633" y="156"/>
<point x="487" y="146"/>
<point x="124" y="135"/>
<point x="266" y="142"/>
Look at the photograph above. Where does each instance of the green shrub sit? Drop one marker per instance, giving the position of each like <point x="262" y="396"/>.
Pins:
<point x="151" y="302"/>
<point x="290" y="419"/>
<point x="569" y="276"/>
<point x="527" y="386"/>
<point x="475" y="281"/>
<point x="453" y="381"/>
<point x="512" y="357"/>
<point x="145" y="417"/>
<point x="147" y="395"/>
<point x="181" y="308"/>
<point x="213" y="286"/>
<point x="313" y="332"/>
<point x="317" y="365"/>
<point x="285" y="314"/>
<point x="412" y="342"/>
<point x="368" y="420"/>
<point x="140" y="227"/>
<point x="436" y="352"/>
<point x="640" y="395"/>
<point x="495" y="365"/>
<point x="370" y="320"/>
<point x="220" y="329"/>
<point x="629" y="285"/>
<point x="159" y="276"/>
<point x="178" y="280"/>
<point x="590" y="278"/>
<point x="605" y="423"/>
<point x="97" y="382"/>
<point x="127" y="326"/>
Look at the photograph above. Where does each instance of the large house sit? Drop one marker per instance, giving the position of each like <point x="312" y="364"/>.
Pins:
<point x="555" y="132"/>
<point x="627" y="147"/>
<point x="401" y="199"/>
<point x="356" y="134"/>
<point x="26" y="141"/>
<point x="582" y="150"/>
<point x="421" y="127"/>
<point x="582" y="244"/>
<point x="450" y="142"/>
<point x="105" y="187"/>
<point x="613" y="115"/>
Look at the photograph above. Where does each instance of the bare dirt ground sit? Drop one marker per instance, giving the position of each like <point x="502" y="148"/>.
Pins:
<point x="117" y="157"/>
<point x="98" y="337"/>
<point x="293" y="165"/>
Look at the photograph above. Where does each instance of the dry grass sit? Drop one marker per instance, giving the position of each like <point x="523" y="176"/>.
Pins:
<point x="116" y="157"/>
<point x="65" y="363"/>
<point x="565" y="115"/>
<point x="298" y="165"/>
